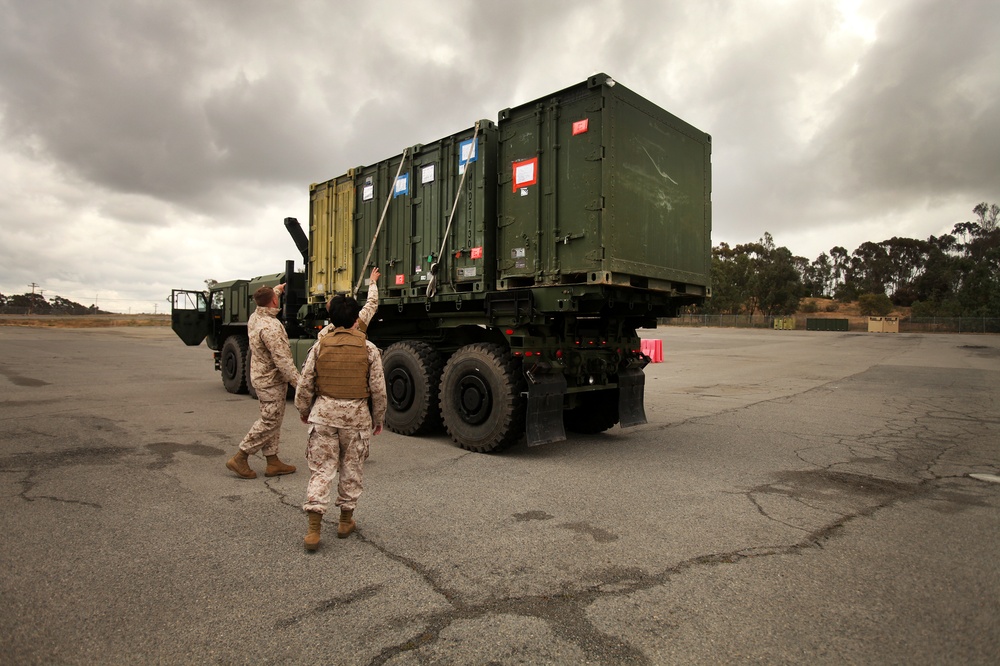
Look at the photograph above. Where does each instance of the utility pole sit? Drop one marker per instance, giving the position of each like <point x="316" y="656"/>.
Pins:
<point x="31" y="303"/>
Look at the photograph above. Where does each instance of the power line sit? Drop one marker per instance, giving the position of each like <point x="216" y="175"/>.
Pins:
<point x="31" y="303"/>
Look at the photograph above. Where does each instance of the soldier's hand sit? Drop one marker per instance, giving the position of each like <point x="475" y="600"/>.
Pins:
<point x="280" y="289"/>
<point x="304" y="418"/>
<point x="378" y="430"/>
<point x="375" y="274"/>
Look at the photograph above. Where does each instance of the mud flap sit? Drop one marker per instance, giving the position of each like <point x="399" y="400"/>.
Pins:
<point x="545" y="409"/>
<point x="631" y="386"/>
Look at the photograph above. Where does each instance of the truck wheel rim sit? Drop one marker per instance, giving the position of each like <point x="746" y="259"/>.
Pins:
<point x="230" y="365"/>
<point x="474" y="399"/>
<point x="400" y="389"/>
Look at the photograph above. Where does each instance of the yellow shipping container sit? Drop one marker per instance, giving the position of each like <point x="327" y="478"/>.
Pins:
<point x="883" y="324"/>
<point x="331" y="228"/>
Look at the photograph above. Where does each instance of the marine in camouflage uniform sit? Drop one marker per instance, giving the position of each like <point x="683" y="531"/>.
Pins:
<point x="271" y="371"/>
<point x="342" y="372"/>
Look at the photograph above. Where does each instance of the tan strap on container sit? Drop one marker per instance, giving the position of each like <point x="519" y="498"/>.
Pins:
<point x="385" y="209"/>
<point x="432" y="284"/>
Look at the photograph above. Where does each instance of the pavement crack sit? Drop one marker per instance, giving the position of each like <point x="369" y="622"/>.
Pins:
<point x="28" y="483"/>
<point x="763" y="512"/>
<point x="411" y="564"/>
<point x="565" y="612"/>
<point x="280" y="493"/>
<point x="64" y="501"/>
<point x="366" y="592"/>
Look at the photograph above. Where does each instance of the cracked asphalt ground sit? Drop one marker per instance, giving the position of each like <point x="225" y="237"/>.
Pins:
<point x="796" y="497"/>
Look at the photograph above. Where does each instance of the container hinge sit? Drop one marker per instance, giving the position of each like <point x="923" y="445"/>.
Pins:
<point x="597" y="155"/>
<point x="596" y="204"/>
<point x="506" y="221"/>
<point x="596" y="255"/>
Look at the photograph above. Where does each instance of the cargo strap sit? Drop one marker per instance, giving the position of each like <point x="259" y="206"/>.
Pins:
<point x="432" y="284"/>
<point x="385" y="209"/>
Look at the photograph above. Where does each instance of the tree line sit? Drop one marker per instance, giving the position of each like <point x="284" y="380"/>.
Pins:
<point x="952" y="275"/>
<point x="31" y="303"/>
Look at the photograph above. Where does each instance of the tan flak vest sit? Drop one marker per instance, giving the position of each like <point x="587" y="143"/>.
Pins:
<point x="342" y="365"/>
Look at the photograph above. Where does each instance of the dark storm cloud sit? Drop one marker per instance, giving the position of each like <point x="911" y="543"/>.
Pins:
<point x="922" y="116"/>
<point x="102" y="91"/>
<point x="176" y="100"/>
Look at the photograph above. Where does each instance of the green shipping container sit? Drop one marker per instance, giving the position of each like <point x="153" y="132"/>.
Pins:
<point x="600" y="186"/>
<point x="823" y="324"/>
<point x="420" y="202"/>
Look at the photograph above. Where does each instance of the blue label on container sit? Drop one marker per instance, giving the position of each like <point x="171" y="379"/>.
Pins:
<point x="402" y="185"/>
<point x="467" y="152"/>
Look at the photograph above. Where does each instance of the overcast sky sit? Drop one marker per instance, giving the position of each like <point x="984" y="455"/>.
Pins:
<point x="146" y="145"/>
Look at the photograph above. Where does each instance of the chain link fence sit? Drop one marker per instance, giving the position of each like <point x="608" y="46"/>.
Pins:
<point x="906" y="324"/>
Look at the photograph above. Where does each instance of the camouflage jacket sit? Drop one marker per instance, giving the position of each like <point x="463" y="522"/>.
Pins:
<point x="368" y="311"/>
<point x="340" y="412"/>
<point x="271" y="365"/>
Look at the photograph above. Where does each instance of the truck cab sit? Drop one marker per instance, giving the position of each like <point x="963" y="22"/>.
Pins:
<point x="220" y="314"/>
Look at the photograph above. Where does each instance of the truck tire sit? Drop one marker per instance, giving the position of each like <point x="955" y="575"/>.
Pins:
<point x="233" y="363"/>
<point x="481" y="398"/>
<point x="596" y="412"/>
<point x="412" y="373"/>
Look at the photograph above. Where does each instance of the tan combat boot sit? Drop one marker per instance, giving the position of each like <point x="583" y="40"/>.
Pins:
<point x="276" y="468"/>
<point x="315" y="523"/>
<point x="238" y="464"/>
<point x="346" y="525"/>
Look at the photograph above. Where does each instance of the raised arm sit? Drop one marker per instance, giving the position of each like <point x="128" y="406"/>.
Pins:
<point x="371" y="305"/>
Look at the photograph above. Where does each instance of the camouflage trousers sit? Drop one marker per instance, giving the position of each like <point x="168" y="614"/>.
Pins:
<point x="328" y="451"/>
<point x="266" y="431"/>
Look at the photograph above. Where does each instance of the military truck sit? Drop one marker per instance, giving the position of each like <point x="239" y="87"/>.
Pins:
<point x="519" y="259"/>
<point x="220" y="313"/>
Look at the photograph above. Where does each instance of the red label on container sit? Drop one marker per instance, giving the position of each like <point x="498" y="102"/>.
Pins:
<point x="525" y="173"/>
<point x="400" y="279"/>
<point x="581" y="126"/>
<point x="477" y="253"/>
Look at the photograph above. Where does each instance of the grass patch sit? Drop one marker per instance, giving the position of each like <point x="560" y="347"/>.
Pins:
<point x="84" y="321"/>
